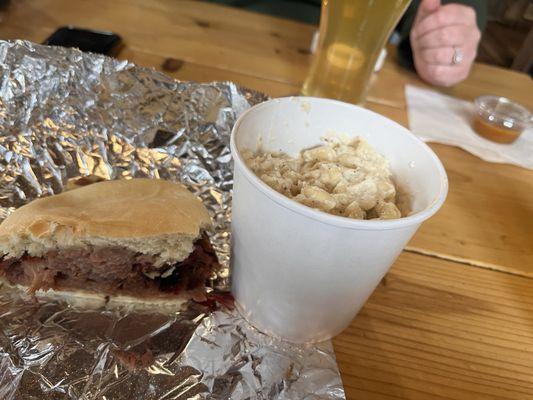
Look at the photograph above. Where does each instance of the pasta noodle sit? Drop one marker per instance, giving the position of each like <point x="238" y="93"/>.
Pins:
<point x="348" y="179"/>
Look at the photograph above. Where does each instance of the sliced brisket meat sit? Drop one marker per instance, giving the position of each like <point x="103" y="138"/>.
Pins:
<point x="113" y="270"/>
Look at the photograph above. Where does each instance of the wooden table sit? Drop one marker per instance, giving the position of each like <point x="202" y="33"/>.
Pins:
<point x="454" y="317"/>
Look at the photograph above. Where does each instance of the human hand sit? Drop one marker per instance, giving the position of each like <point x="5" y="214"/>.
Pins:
<point x="444" y="40"/>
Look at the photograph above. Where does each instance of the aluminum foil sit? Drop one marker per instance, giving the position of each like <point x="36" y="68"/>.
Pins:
<point x="68" y="117"/>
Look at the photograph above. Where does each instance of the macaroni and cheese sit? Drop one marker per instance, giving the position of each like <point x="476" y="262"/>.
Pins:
<point x="349" y="179"/>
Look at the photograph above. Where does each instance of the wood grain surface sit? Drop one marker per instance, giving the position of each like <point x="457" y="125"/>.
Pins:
<point x="454" y="317"/>
<point x="435" y="329"/>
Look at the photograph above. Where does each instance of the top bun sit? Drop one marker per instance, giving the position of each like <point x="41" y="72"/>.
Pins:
<point x="149" y="216"/>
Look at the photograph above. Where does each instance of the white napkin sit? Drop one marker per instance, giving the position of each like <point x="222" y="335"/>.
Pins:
<point x="435" y="117"/>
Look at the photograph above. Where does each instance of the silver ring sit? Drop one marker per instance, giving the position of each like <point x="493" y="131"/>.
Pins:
<point x="457" y="56"/>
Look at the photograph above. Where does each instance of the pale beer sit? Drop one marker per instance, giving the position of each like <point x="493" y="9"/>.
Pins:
<point x="352" y="34"/>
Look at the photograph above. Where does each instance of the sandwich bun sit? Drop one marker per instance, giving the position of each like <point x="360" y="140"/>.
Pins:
<point x="96" y="301"/>
<point x="148" y="216"/>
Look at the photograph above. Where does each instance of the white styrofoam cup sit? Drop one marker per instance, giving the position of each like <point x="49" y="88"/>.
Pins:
<point x="301" y="274"/>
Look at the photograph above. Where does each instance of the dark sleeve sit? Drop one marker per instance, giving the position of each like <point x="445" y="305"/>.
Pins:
<point x="405" y="54"/>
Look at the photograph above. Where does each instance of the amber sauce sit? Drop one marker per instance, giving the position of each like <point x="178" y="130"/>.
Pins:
<point x="496" y="133"/>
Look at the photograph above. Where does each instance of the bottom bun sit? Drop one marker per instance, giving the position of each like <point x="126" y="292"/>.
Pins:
<point x="92" y="301"/>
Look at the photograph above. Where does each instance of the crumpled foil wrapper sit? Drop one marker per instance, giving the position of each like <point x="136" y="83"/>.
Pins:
<point x="66" y="115"/>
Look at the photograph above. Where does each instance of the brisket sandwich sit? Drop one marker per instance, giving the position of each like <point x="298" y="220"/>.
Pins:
<point x="141" y="240"/>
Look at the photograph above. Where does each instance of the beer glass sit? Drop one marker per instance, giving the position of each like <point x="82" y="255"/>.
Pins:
<point x="352" y="34"/>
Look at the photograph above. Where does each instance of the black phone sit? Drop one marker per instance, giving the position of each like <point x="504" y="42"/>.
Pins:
<point x="107" y="43"/>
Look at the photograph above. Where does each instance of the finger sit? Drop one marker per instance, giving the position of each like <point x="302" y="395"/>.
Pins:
<point x="448" y="15"/>
<point x="444" y="37"/>
<point x="448" y="75"/>
<point x="438" y="56"/>
<point x="444" y="75"/>
<point x="445" y="55"/>
<point x="425" y="8"/>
